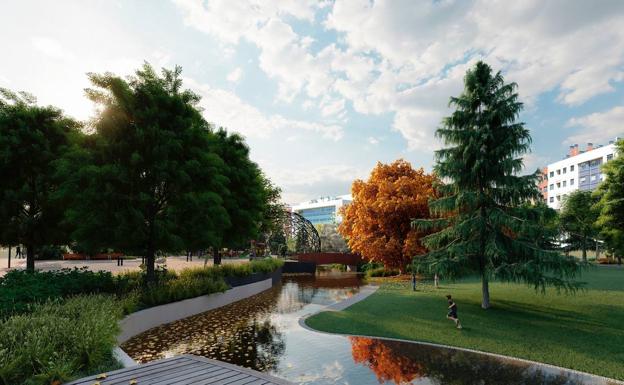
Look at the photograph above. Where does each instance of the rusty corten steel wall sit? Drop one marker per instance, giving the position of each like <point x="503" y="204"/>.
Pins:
<point x="329" y="258"/>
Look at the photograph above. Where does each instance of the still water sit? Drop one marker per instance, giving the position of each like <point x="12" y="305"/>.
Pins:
<point x="263" y="333"/>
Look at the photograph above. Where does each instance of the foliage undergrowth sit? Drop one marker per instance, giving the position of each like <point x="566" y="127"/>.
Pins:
<point x="57" y="340"/>
<point x="20" y="290"/>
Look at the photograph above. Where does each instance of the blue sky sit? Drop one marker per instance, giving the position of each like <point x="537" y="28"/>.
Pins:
<point x="322" y="90"/>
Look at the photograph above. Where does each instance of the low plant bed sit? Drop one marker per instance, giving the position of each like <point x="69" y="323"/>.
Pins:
<point x="59" y="341"/>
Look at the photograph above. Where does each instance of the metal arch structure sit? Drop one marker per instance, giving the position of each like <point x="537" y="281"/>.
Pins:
<point x="307" y="239"/>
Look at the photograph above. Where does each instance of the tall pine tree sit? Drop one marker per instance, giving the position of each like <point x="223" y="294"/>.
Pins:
<point x="482" y="224"/>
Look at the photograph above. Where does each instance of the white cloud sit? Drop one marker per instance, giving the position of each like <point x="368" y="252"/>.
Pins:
<point x="407" y="57"/>
<point x="372" y="140"/>
<point x="599" y="127"/>
<point x="50" y="47"/>
<point x="235" y="76"/>
<point x="300" y="185"/>
<point x="226" y="109"/>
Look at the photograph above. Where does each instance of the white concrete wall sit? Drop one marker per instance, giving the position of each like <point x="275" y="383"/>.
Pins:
<point x="146" y="319"/>
<point x="559" y="177"/>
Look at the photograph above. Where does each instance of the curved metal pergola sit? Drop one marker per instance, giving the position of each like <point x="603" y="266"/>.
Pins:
<point x="307" y="239"/>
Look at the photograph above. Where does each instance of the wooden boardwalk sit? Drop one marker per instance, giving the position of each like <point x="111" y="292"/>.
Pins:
<point x="185" y="369"/>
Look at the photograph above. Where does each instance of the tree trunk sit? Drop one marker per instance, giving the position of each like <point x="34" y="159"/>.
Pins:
<point x="216" y="257"/>
<point x="485" y="291"/>
<point x="9" y="257"/>
<point x="30" y="258"/>
<point x="584" y="249"/>
<point x="150" y="261"/>
<point x="436" y="280"/>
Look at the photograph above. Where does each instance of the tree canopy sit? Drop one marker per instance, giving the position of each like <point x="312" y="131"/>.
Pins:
<point x="480" y="222"/>
<point x="610" y="205"/>
<point x="32" y="140"/>
<point x="377" y="223"/>
<point x="578" y="221"/>
<point x="149" y="178"/>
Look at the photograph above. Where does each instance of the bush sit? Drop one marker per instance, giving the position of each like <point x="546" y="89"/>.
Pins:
<point x="19" y="289"/>
<point x="267" y="265"/>
<point x="381" y="272"/>
<point x="59" y="341"/>
<point x="179" y="289"/>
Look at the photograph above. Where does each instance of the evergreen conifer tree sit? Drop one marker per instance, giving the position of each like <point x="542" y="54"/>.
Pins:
<point x="482" y="224"/>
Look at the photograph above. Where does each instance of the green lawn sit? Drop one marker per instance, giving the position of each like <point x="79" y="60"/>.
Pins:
<point x="584" y="331"/>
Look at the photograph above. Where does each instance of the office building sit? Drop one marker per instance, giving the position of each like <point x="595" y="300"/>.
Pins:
<point x="323" y="210"/>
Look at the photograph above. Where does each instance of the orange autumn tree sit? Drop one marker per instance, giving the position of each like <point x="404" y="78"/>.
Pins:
<point x="377" y="223"/>
<point x="387" y="363"/>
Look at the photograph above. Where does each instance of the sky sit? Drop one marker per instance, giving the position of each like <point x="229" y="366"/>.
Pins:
<point x="323" y="90"/>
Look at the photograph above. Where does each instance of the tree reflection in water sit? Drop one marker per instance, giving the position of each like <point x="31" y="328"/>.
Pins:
<point x="241" y="333"/>
<point x="401" y="363"/>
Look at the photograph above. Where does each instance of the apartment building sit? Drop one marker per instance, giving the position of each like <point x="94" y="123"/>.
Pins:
<point x="580" y="170"/>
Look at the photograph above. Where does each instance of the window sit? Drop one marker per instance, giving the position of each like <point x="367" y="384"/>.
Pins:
<point x="583" y="179"/>
<point x="571" y="168"/>
<point x="558" y="198"/>
<point x="564" y="183"/>
<point x="609" y="157"/>
<point x="552" y="173"/>
<point x="593" y="178"/>
<point x="572" y="182"/>
<point x="559" y="172"/>
<point x="552" y="199"/>
<point x="558" y="184"/>
<point x="564" y="170"/>
<point x="552" y="186"/>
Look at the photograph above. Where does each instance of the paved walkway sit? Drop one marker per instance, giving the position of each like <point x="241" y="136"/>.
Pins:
<point x="183" y="370"/>
<point x="173" y="263"/>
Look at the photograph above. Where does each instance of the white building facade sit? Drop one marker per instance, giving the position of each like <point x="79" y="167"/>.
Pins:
<point x="580" y="170"/>
<point x="325" y="210"/>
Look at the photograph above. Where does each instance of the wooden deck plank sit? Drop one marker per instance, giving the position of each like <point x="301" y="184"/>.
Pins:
<point x="123" y="378"/>
<point x="232" y="379"/>
<point x="196" y="375"/>
<point x="167" y="376"/>
<point x="139" y="369"/>
<point x="184" y="370"/>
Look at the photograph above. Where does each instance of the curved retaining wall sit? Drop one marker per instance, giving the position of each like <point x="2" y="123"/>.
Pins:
<point x="146" y="319"/>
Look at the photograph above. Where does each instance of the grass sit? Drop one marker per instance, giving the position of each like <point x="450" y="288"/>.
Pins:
<point x="583" y="331"/>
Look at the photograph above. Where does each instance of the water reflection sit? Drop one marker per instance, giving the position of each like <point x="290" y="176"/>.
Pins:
<point x="263" y="333"/>
<point x="402" y="363"/>
<point x="246" y="333"/>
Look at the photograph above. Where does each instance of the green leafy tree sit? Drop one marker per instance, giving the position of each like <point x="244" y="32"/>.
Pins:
<point x="32" y="139"/>
<point x="578" y="221"/>
<point x="482" y="226"/>
<point x="246" y="196"/>
<point x="610" y="204"/>
<point x="148" y="179"/>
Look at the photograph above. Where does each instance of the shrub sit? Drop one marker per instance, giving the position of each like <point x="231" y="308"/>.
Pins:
<point x="19" y="289"/>
<point x="267" y="265"/>
<point x="57" y="341"/>
<point x="179" y="289"/>
<point x="381" y="272"/>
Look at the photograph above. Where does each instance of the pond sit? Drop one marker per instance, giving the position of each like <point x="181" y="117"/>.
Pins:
<point x="263" y="333"/>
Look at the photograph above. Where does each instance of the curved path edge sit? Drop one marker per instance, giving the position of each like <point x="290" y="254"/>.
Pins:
<point x="370" y="289"/>
<point x="146" y="319"/>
